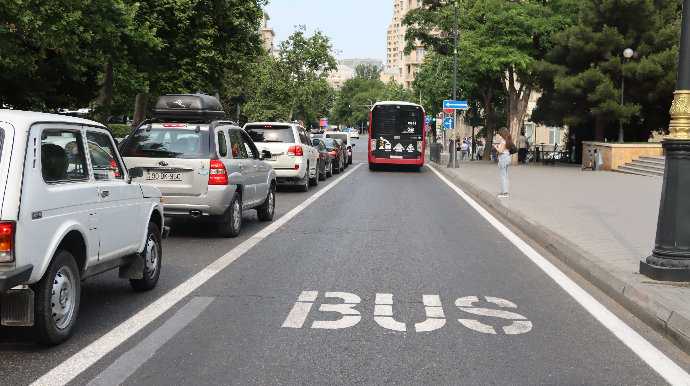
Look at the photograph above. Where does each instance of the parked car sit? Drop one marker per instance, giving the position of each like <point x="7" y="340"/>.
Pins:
<point x="293" y="158"/>
<point x="337" y="155"/>
<point x="207" y="169"/>
<point x="69" y="210"/>
<point x="342" y="146"/>
<point x="345" y="136"/>
<point x="353" y="132"/>
<point x="326" y="166"/>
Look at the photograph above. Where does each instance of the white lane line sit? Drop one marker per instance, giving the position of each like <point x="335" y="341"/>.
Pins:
<point x="129" y="362"/>
<point x="77" y="363"/>
<point x="659" y="362"/>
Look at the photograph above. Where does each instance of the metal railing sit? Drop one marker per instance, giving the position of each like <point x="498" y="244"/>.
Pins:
<point x="435" y="152"/>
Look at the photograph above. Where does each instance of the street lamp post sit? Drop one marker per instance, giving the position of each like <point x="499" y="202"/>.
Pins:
<point x="455" y="75"/>
<point x="627" y="54"/>
<point x="670" y="258"/>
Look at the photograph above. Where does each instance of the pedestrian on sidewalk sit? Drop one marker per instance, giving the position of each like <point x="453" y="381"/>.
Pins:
<point x="522" y="149"/>
<point x="503" y="150"/>
<point x="464" y="148"/>
<point x="480" y="149"/>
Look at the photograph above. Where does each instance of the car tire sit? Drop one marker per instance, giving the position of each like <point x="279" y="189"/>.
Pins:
<point x="231" y="227"/>
<point x="329" y="171"/>
<point x="314" y="181"/>
<point x="267" y="209"/>
<point x="303" y="184"/>
<point x="61" y="286"/>
<point x="349" y="161"/>
<point x="337" y="169"/>
<point x="152" y="254"/>
<point x="322" y="174"/>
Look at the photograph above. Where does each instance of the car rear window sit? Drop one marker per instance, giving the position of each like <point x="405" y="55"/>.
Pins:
<point x="342" y="137"/>
<point x="168" y="143"/>
<point x="329" y="142"/>
<point x="270" y="133"/>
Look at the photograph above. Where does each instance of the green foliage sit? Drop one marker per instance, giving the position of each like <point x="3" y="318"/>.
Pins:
<point x="119" y="131"/>
<point x="580" y="83"/>
<point x="367" y="71"/>
<point x="294" y="86"/>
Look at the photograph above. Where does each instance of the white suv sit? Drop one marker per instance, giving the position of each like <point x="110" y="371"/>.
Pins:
<point x="346" y="137"/>
<point x="68" y="211"/>
<point x="292" y="155"/>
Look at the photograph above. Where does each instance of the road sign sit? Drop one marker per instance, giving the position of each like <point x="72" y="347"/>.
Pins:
<point x="455" y="105"/>
<point x="427" y="127"/>
<point x="448" y="111"/>
<point x="448" y="123"/>
<point x="427" y="119"/>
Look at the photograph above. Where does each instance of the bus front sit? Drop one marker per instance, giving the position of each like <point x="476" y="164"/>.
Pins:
<point x="396" y="134"/>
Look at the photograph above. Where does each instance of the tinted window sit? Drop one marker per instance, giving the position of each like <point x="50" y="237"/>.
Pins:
<point x="62" y="156"/>
<point x="239" y="150"/>
<point x="396" y="119"/>
<point x="167" y="143"/>
<point x="329" y="142"/>
<point x="222" y="144"/>
<point x="270" y="133"/>
<point x="101" y="151"/>
<point x="342" y="137"/>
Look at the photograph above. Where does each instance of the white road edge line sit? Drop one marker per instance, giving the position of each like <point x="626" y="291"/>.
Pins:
<point x="77" y="363"/>
<point x="659" y="362"/>
<point x="130" y="361"/>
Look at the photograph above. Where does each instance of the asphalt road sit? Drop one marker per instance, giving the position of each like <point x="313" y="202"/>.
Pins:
<point x="385" y="277"/>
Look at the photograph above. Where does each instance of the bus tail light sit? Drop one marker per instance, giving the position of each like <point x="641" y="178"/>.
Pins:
<point x="6" y="241"/>
<point x="295" y="150"/>
<point x="217" y="174"/>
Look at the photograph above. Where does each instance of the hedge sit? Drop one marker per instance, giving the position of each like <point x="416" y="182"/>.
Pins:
<point x="119" y="131"/>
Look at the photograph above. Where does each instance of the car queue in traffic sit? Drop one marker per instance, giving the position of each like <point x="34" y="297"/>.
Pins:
<point x="185" y="162"/>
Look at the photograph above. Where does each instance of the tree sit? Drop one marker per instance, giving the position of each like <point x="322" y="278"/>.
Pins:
<point x="581" y="75"/>
<point x="294" y="86"/>
<point x="367" y="71"/>
<point x="353" y="97"/>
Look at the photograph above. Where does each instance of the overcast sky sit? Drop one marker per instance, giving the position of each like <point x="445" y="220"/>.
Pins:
<point x="357" y="28"/>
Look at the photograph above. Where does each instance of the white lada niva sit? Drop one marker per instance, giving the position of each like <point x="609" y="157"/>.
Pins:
<point x="68" y="211"/>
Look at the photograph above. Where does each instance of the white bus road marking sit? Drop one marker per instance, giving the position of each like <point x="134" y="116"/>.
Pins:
<point x="129" y="362"/>
<point x="350" y="315"/>
<point x="82" y="360"/>
<point x="659" y="362"/>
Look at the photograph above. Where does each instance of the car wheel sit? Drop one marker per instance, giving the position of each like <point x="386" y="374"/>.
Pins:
<point x="336" y="170"/>
<point x="329" y="171"/>
<point x="322" y="173"/>
<point x="266" y="210"/>
<point x="231" y="227"/>
<point x="314" y="181"/>
<point x="303" y="184"/>
<point x="153" y="252"/>
<point x="349" y="161"/>
<point x="57" y="299"/>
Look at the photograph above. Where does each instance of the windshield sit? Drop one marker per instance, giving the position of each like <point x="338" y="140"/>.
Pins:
<point x="329" y="142"/>
<point x="168" y="143"/>
<point x="397" y="119"/>
<point x="270" y="133"/>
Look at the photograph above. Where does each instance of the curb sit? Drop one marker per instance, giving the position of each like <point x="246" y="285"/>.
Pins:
<point x="647" y="305"/>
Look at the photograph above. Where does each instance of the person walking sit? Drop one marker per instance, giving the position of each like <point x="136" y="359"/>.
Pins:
<point x="503" y="149"/>
<point x="464" y="148"/>
<point x="480" y="149"/>
<point x="523" y="147"/>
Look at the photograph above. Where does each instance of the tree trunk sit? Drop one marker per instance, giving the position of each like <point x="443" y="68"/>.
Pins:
<point x="599" y="133"/>
<point x="516" y="107"/>
<point x="139" y="110"/>
<point x="105" y="97"/>
<point x="489" y="122"/>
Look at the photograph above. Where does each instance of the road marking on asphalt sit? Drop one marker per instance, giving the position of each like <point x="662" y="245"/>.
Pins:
<point x="129" y="362"/>
<point x="659" y="362"/>
<point x="77" y="363"/>
<point x="350" y="315"/>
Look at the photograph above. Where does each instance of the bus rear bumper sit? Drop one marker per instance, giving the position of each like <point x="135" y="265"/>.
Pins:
<point x="395" y="161"/>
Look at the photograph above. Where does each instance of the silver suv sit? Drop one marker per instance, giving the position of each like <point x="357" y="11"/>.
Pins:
<point x="205" y="168"/>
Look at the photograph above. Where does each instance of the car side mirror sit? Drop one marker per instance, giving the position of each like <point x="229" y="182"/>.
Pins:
<point x="135" y="173"/>
<point x="265" y="154"/>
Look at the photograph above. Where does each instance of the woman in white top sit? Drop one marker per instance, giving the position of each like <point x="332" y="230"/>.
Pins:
<point x="504" y="160"/>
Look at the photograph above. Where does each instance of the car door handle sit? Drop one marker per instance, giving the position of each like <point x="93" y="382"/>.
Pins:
<point x="105" y="193"/>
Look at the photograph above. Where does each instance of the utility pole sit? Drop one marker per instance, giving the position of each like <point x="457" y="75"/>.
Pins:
<point x="455" y="76"/>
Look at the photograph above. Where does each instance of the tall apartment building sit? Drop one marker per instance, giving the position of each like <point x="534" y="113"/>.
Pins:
<point x="353" y="63"/>
<point x="401" y="67"/>
<point x="268" y="35"/>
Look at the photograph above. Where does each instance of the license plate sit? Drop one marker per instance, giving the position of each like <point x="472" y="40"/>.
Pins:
<point x="274" y="157"/>
<point x="164" y="176"/>
<point x="396" y="156"/>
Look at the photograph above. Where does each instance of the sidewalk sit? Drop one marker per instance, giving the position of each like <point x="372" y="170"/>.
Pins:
<point x="599" y="223"/>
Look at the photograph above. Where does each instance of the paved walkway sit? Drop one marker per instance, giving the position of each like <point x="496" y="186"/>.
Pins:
<point x="600" y="223"/>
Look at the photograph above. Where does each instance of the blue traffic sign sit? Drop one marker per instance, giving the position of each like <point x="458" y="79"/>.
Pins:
<point x="427" y="119"/>
<point x="455" y="105"/>
<point x="448" y="123"/>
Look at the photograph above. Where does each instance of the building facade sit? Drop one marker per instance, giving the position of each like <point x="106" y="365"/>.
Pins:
<point x="268" y="36"/>
<point x="352" y="63"/>
<point x="399" y="66"/>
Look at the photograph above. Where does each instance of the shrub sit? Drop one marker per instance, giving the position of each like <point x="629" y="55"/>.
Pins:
<point x="119" y="131"/>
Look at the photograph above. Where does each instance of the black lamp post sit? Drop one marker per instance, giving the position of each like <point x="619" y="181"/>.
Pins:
<point x="670" y="259"/>
<point x="627" y="54"/>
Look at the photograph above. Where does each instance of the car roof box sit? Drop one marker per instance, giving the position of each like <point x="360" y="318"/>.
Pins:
<point x="187" y="107"/>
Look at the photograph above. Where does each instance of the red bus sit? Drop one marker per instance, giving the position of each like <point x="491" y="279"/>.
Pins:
<point x="396" y="134"/>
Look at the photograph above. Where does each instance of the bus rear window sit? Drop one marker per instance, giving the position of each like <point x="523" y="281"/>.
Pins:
<point x="270" y="133"/>
<point x="394" y="120"/>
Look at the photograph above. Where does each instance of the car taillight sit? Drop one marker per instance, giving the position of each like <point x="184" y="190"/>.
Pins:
<point x="334" y="152"/>
<point x="295" y="150"/>
<point x="113" y="166"/>
<point x="217" y="174"/>
<point x="319" y="155"/>
<point x="6" y="241"/>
